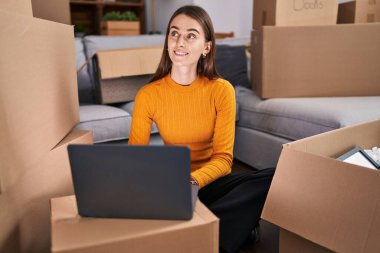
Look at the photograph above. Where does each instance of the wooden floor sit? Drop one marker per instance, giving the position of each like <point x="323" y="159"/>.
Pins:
<point x="268" y="242"/>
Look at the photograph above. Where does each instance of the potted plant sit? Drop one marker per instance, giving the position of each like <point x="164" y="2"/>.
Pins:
<point x="117" y="23"/>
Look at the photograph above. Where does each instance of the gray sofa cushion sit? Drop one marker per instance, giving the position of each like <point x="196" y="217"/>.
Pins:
<point x="231" y="64"/>
<point x="296" y="118"/>
<point x="108" y="123"/>
<point x="85" y="88"/>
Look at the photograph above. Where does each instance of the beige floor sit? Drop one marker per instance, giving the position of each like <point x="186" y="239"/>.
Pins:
<point x="269" y="233"/>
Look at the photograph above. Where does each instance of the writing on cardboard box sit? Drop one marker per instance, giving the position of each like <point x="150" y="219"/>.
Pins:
<point x="300" y="5"/>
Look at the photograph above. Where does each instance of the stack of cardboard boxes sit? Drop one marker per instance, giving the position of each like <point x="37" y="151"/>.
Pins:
<point x="39" y="108"/>
<point x="299" y="50"/>
<point x="320" y="204"/>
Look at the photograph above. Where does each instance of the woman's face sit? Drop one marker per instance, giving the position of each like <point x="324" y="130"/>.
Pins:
<point x="186" y="41"/>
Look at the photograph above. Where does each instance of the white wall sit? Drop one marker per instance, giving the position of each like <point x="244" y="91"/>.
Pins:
<point x="227" y="15"/>
<point x="164" y="10"/>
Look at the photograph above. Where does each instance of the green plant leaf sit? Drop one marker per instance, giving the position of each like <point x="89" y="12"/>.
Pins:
<point x="117" y="16"/>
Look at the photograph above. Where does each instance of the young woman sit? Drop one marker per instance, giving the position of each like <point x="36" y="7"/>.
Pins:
<point x="193" y="106"/>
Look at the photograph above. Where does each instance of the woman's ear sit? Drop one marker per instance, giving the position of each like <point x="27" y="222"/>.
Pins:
<point x="207" y="48"/>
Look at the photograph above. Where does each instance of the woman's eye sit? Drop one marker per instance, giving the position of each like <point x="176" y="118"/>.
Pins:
<point x="191" y="36"/>
<point x="174" y="34"/>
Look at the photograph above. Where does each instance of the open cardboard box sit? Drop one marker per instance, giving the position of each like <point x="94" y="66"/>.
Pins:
<point x="294" y="12"/>
<point x="72" y="233"/>
<point x="312" y="61"/>
<point x="322" y="204"/>
<point x="122" y="72"/>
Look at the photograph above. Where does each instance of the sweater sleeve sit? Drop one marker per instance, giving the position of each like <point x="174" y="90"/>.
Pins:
<point x="141" y="120"/>
<point x="223" y="138"/>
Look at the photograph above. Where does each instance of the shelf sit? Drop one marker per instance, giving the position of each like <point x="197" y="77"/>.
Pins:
<point x="126" y="4"/>
<point x="89" y="14"/>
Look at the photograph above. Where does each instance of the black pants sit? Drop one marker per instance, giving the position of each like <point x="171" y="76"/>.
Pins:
<point x="237" y="200"/>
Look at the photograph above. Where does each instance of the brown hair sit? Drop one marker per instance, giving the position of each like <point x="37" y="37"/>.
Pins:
<point x="206" y="65"/>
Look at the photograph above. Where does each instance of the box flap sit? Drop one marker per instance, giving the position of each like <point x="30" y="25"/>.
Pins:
<point x="74" y="135"/>
<point x="128" y="62"/>
<point x="329" y="202"/>
<point x="365" y="135"/>
<point x="53" y="10"/>
<point x="346" y="12"/>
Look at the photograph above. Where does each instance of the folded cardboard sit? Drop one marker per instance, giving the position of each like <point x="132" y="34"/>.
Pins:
<point x="17" y="6"/>
<point x="327" y="202"/>
<point x="294" y="12"/>
<point x="359" y="11"/>
<point x="121" y="73"/>
<point x="53" y="10"/>
<point x="120" y="28"/>
<point x="38" y="92"/>
<point x="24" y="207"/>
<point x="72" y="233"/>
<point x="311" y="61"/>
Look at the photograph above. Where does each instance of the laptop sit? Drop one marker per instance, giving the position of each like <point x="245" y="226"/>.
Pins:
<point x="140" y="182"/>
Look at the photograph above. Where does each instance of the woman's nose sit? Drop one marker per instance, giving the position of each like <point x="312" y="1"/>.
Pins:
<point x="180" y="41"/>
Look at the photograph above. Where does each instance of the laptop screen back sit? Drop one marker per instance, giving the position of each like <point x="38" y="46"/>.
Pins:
<point x="121" y="181"/>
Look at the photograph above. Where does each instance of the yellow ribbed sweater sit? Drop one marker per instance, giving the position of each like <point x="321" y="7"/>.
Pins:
<point x="200" y="115"/>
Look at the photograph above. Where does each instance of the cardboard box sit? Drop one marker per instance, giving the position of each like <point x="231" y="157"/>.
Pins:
<point x="71" y="233"/>
<point x="24" y="207"/>
<point x="38" y="92"/>
<point x="120" y="28"/>
<point x="53" y="10"/>
<point x="122" y="72"/>
<point x="359" y="11"/>
<point x="294" y="12"/>
<point x="23" y="7"/>
<point x="338" y="60"/>
<point x="323" y="201"/>
<point x="120" y="32"/>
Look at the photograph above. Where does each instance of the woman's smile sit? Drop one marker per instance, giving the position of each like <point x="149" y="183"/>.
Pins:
<point x="180" y="53"/>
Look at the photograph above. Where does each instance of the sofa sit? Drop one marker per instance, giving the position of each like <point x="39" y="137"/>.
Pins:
<point x="262" y="126"/>
<point x="111" y="123"/>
